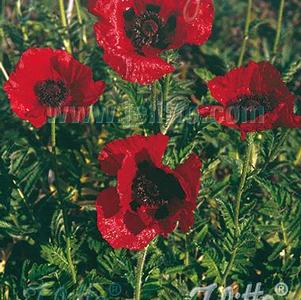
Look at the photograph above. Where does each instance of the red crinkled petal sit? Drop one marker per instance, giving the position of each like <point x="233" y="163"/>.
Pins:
<point x="167" y="7"/>
<point x="83" y="89"/>
<point x="293" y="122"/>
<point x="108" y="202"/>
<point x="186" y="220"/>
<point x="219" y="113"/>
<point x="194" y="23"/>
<point x="125" y="178"/>
<point x="120" y="229"/>
<point x="25" y="108"/>
<point x="105" y="9"/>
<point x="278" y="117"/>
<point x="112" y="155"/>
<point x="122" y="157"/>
<point x="44" y="64"/>
<point x="266" y="79"/>
<point x="226" y="89"/>
<point x="120" y="54"/>
<point x="167" y="225"/>
<point x="287" y="118"/>
<point x="189" y="175"/>
<point x="263" y="122"/>
<point x="136" y="68"/>
<point x="255" y="79"/>
<point x="36" y="116"/>
<point x="20" y="86"/>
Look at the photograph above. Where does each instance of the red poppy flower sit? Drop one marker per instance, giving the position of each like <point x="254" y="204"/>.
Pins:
<point x="48" y="82"/>
<point x="252" y="98"/>
<point x="150" y="198"/>
<point x="134" y="33"/>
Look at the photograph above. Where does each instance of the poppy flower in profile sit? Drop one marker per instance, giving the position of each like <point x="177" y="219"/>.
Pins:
<point x="150" y="198"/>
<point x="49" y="82"/>
<point x="133" y="33"/>
<point x="252" y="98"/>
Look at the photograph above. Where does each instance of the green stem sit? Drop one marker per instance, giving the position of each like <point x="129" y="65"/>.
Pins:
<point x="154" y="99"/>
<point x="243" y="179"/>
<point x="139" y="273"/>
<point x="62" y="12"/>
<point x="166" y="87"/>
<point x="53" y="135"/>
<point x="279" y="25"/>
<point x="80" y="21"/>
<point x="230" y="265"/>
<point x="242" y="184"/>
<point x="65" y="217"/>
<point x="246" y="33"/>
<point x="83" y="35"/>
<point x="18" y="6"/>
<point x="187" y="258"/>
<point x="68" y="246"/>
<point x="286" y="242"/>
<point x="91" y="115"/>
<point x="64" y="24"/>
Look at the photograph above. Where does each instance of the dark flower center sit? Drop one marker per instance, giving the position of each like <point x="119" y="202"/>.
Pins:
<point x="149" y="28"/>
<point x="51" y="92"/>
<point x="155" y="188"/>
<point x="248" y="108"/>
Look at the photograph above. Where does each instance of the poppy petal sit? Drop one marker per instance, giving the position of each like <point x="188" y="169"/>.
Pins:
<point x="112" y="155"/>
<point x="195" y="23"/>
<point x="140" y="62"/>
<point x="116" y="229"/>
<point x="190" y="171"/>
<point x="57" y="83"/>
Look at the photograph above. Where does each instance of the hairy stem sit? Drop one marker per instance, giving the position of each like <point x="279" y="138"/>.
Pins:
<point x="80" y="21"/>
<point x="246" y="33"/>
<point x="187" y="258"/>
<point x="83" y="40"/>
<point x="68" y="245"/>
<point x="139" y="273"/>
<point x="53" y="136"/>
<point x="166" y="87"/>
<point x="279" y="26"/>
<point x="230" y="265"/>
<point x="64" y="212"/>
<point x="241" y="188"/>
<point x="155" y="105"/>
<point x="243" y="180"/>
<point x="67" y="43"/>
<point x="286" y="242"/>
<point x="165" y="92"/>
